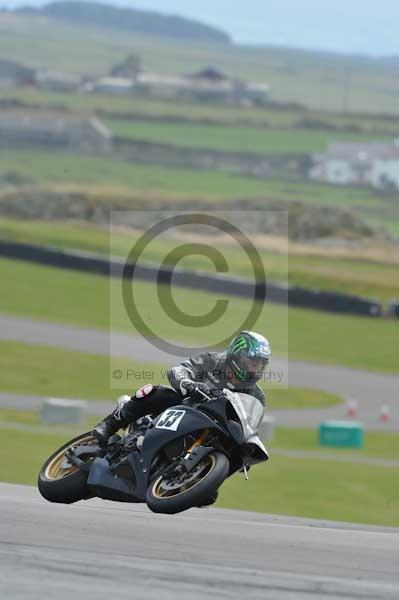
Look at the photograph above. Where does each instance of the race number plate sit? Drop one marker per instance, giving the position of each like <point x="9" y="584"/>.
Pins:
<point x="170" y="419"/>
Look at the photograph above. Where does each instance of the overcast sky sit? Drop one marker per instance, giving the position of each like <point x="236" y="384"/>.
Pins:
<point x="361" y="26"/>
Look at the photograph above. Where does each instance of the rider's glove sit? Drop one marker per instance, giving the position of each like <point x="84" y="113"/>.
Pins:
<point x="204" y="388"/>
<point x="191" y="388"/>
<point x="215" y="393"/>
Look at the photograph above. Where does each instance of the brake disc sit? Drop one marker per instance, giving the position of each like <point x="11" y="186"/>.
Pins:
<point x="184" y="479"/>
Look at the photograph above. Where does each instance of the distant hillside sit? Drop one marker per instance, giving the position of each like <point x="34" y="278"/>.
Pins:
<point x="130" y="20"/>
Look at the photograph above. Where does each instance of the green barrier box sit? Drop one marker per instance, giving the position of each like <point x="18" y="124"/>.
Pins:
<point x="346" y="434"/>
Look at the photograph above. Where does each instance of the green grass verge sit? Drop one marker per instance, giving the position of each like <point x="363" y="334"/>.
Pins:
<point x="317" y="489"/>
<point x="23" y="417"/>
<point x="48" y="371"/>
<point x="30" y="421"/>
<point x="24" y="452"/>
<point x="299" y="398"/>
<point x="301" y="487"/>
<point x="70" y="297"/>
<point x="365" y="277"/>
<point x="233" y="138"/>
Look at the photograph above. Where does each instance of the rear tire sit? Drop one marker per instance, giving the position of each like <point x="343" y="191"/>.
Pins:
<point x="64" y="485"/>
<point x="162" y="499"/>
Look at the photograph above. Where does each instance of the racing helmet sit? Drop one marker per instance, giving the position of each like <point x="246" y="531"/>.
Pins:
<point x="248" y="355"/>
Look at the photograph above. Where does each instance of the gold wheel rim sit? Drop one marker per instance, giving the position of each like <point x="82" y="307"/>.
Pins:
<point x="55" y="470"/>
<point x="162" y="494"/>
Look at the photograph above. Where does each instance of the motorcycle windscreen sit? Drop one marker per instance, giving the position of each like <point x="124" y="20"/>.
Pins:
<point x="249" y="410"/>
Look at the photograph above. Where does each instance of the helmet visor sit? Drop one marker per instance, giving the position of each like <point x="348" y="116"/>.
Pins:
<point x="254" y="367"/>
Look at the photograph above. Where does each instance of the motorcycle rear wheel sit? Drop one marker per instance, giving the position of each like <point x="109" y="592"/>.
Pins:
<point x="64" y="484"/>
<point x="171" y="497"/>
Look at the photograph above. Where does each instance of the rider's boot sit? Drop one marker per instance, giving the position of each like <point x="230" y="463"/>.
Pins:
<point x="148" y="399"/>
<point x="118" y="419"/>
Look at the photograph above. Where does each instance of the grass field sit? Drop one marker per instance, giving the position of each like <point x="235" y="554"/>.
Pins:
<point x="233" y="138"/>
<point x="62" y="167"/>
<point x="363" y="276"/>
<point x="142" y="109"/>
<point x="317" y="80"/>
<point x="104" y="104"/>
<point x="299" y="398"/>
<point x="125" y="185"/>
<point x="47" y="371"/>
<point x="317" y="489"/>
<point x="302" y="487"/>
<point x="69" y="297"/>
<point x="69" y="168"/>
<point x="26" y="420"/>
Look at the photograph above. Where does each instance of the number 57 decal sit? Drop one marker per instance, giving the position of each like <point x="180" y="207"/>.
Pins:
<point x="170" y="419"/>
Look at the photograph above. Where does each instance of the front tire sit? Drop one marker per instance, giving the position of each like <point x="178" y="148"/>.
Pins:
<point x="64" y="484"/>
<point x="171" y="497"/>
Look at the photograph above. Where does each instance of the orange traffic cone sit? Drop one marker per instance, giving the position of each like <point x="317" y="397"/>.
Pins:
<point x="351" y="408"/>
<point x="385" y="413"/>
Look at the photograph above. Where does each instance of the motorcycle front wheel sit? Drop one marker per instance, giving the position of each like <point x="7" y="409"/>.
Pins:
<point x="61" y="482"/>
<point x="173" y="495"/>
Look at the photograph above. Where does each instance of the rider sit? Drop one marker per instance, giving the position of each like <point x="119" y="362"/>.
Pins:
<point x="239" y="368"/>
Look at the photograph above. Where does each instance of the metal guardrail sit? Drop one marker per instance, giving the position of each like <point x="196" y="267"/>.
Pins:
<point x="234" y="286"/>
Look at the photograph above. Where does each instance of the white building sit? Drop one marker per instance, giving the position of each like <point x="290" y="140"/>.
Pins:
<point x="346" y="163"/>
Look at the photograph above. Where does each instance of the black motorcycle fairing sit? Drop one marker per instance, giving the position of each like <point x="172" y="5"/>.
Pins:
<point x="76" y="456"/>
<point x="221" y="410"/>
<point x="107" y="485"/>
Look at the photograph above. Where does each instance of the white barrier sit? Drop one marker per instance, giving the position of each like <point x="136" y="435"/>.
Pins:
<point x="57" y="411"/>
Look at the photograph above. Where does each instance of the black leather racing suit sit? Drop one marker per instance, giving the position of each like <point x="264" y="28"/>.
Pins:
<point x="208" y="367"/>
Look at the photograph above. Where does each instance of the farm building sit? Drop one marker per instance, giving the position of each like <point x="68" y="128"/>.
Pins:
<point x="348" y="163"/>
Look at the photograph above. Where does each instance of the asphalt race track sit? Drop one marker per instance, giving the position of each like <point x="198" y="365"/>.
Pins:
<point x="101" y="550"/>
<point x="370" y="390"/>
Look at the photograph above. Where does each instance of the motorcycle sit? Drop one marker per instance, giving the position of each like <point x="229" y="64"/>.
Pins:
<point x="173" y="462"/>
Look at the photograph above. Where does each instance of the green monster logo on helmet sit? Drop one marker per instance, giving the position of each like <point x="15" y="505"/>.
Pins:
<point x="239" y="343"/>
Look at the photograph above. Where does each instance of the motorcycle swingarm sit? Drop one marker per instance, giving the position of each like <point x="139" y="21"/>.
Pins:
<point x="73" y="456"/>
